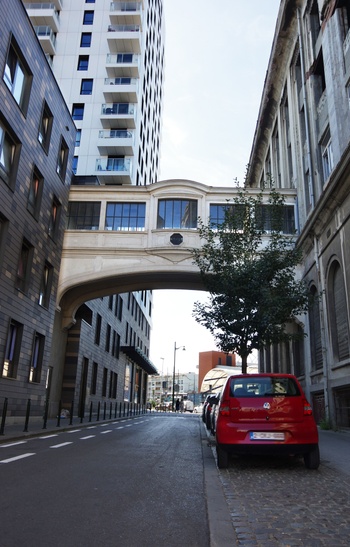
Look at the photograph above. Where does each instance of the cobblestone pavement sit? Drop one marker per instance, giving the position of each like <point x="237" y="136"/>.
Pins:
<point x="279" y="503"/>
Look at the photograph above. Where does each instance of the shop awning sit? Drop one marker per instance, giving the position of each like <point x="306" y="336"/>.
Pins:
<point x="136" y="355"/>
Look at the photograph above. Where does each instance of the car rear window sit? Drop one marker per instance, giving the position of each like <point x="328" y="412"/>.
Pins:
<point x="263" y="387"/>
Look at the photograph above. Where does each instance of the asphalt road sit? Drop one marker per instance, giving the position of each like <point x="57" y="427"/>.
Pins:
<point x="136" y="482"/>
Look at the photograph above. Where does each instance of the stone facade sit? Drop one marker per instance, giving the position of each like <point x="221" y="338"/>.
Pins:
<point x="302" y="141"/>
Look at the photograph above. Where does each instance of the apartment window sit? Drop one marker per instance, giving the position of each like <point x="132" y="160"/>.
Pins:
<point x="77" y="111"/>
<point x="89" y="1"/>
<point x="86" y="87"/>
<point x="4" y="224"/>
<point x="17" y="77"/>
<point x="83" y="62"/>
<point x="62" y="159"/>
<point x="77" y="138"/>
<point x="88" y="18"/>
<point x="315" y="331"/>
<point x="83" y="215"/>
<point x="24" y="266"/>
<point x="327" y="155"/>
<point x="94" y="378"/>
<point x="54" y="217"/>
<point x="12" y="350"/>
<point x="46" y="285"/>
<point x="37" y="358"/>
<point x="275" y="219"/>
<point x="125" y="216"/>
<point x="75" y="165"/>
<point x="104" y="382"/>
<point x="115" y="385"/>
<point x="45" y="127"/>
<point x="35" y="193"/>
<point x="338" y="313"/>
<point x="108" y="338"/>
<point x="9" y="156"/>
<point x="177" y="213"/>
<point x="98" y="329"/>
<point x="85" y="40"/>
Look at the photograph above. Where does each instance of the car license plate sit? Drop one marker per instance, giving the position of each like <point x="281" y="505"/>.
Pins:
<point x="266" y="436"/>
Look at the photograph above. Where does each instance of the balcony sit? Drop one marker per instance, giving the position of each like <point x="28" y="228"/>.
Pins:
<point x="47" y="39"/>
<point x="118" y="116"/>
<point x="120" y="90"/>
<point x="126" y="13"/>
<point x="114" y="170"/>
<point x="118" y="142"/>
<point x="43" y="15"/>
<point x="123" y="64"/>
<point x="124" y="38"/>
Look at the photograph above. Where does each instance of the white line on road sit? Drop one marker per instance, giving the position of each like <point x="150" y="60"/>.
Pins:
<point x="107" y="431"/>
<point x="12" y="444"/>
<point x="92" y="427"/>
<point x="120" y="427"/>
<point x="48" y="436"/>
<point x="9" y="460"/>
<point x="87" y="437"/>
<point x="74" y="431"/>
<point x="59" y="445"/>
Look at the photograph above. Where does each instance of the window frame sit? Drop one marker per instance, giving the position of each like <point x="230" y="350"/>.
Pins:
<point x="62" y="159"/>
<point x="24" y="266"/>
<point x="12" y="350"/>
<point x="20" y="90"/>
<point x="86" y="86"/>
<point x="83" y="215"/>
<point x="125" y="216"/>
<point x="85" y="39"/>
<point x="170" y="212"/>
<point x="46" y="285"/>
<point x="35" y="193"/>
<point x="36" y="361"/>
<point x="45" y="127"/>
<point x="83" y="63"/>
<point x="78" y="111"/>
<point x="9" y="173"/>
<point x="55" y="216"/>
<point x="88" y="17"/>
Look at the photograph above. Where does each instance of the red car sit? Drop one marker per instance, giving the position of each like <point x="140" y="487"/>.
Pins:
<point x="265" y="414"/>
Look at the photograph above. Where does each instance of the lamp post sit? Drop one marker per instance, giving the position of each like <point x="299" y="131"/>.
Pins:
<point x="175" y="350"/>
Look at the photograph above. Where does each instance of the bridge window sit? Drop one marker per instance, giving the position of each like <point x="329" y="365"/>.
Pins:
<point x="83" y="215"/>
<point x="177" y="213"/>
<point x="125" y="216"/>
<point x="263" y="215"/>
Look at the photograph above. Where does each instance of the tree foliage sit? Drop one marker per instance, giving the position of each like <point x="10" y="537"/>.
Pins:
<point x="248" y="266"/>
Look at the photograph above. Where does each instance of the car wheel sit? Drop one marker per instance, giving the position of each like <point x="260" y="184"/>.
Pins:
<point x="222" y="457"/>
<point x="312" y="459"/>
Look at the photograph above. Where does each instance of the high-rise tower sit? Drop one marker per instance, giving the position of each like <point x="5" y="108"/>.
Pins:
<point x="108" y="59"/>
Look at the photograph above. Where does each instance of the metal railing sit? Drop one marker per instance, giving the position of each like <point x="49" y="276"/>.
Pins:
<point x="118" y="109"/>
<point x="116" y="134"/>
<point x="125" y="6"/>
<point x="114" y="165"/>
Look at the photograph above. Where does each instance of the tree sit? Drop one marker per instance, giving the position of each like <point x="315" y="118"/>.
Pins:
<point x="248" y="266"/>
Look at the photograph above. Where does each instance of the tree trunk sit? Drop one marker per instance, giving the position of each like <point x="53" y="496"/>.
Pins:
<point x="244" y="364"/>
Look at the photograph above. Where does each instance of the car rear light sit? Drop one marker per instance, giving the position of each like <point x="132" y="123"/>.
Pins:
<point x="224" y="408"/>
<point x="307" y="408"/>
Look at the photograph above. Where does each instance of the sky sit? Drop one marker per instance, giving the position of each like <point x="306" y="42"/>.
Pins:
<point x="216" y="57"/>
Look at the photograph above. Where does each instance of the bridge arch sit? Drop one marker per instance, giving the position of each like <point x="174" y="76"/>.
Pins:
<point x="103" y="254"/>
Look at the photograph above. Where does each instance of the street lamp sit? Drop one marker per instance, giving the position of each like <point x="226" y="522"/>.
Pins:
<point x="175" y="350"/>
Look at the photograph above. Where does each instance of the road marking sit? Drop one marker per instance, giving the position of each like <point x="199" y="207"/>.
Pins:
<point x="74" y="431"/>
<point x="9" y="460"/>
<point x="60" y="445"/>
<point x="120" y="427"/>
<point x="12" y="444"/>
<point x="48" y="436"/>
<point x="88" y="437"/>
<point x="108" y="431"/>
<point x="92" y="427"/>
<point x="129" y="425"/>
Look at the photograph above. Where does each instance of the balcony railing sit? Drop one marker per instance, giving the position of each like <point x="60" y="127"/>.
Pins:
<point x="46" y="31"/>
<point x="113" y="109"/>
<point x="124" y="28"/>
<point x="125" y="6"/>
<point x="121" y="81"/>
<point x="123" y="58"/>
<point x="114" y="164"/>
<point x="41" y="5"/>
<point x="116" y="134"/>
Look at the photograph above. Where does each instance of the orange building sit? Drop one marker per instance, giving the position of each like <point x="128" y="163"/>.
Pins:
<point x="211" y="359"/>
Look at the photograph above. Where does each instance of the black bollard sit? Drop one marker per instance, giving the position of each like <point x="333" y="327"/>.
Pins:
<point x="27" y="416"/>
<point x="71" y="413"/>
<point x="59" y="414"/>
<point x="90" y="415"/>
<point x="3" y="419"/>
<point x="46" y="411"/>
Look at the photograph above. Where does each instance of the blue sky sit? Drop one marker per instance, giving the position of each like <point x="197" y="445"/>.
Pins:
<point x="216" y="59"/>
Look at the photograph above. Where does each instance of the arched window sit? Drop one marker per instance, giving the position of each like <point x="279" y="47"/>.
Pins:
<point x="315" y="331"/>
<point x="338" y="317"/>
